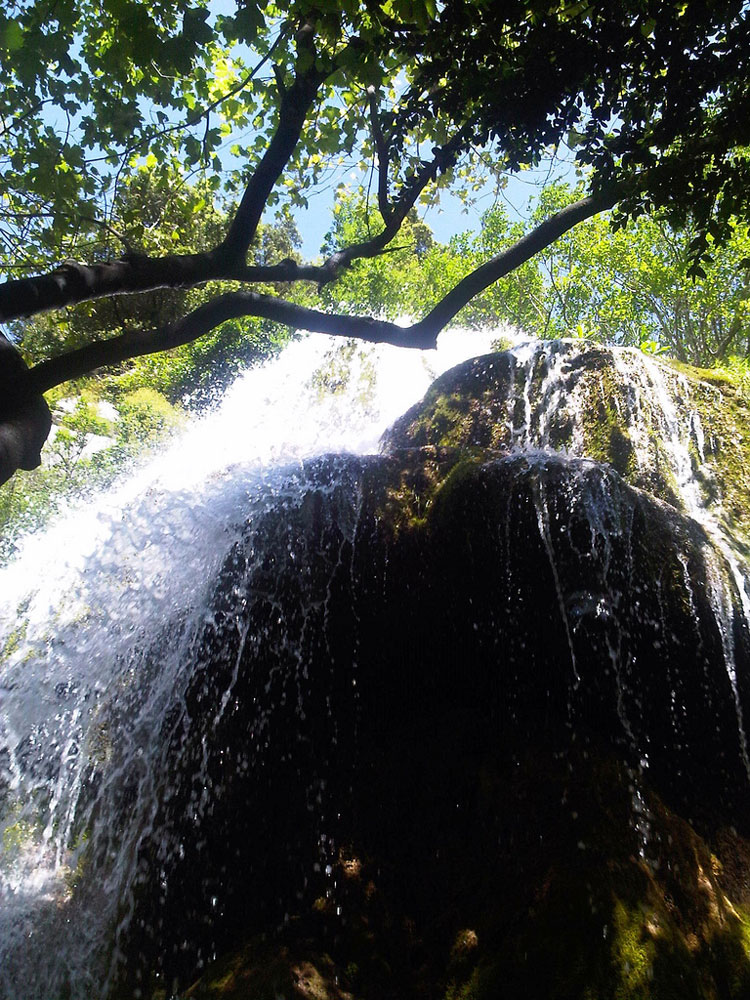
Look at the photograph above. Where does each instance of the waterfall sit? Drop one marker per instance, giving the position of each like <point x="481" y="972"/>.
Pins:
<point x="81" y="709"/>
<point x="105" y="616"/>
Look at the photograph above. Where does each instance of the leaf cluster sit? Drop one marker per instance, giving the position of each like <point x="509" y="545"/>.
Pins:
<point x="109" y="109"/>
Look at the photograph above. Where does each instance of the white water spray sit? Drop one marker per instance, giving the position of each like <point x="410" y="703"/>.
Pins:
<point x="85" y="711"/>
<point x="81" y="710"/>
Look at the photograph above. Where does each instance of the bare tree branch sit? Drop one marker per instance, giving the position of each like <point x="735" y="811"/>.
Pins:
<point x="521" y="251"/>
<point x="233" y="305"/>
<point x="22" y="409"/>
<point x="74" y="282"/>
<point x="382" y="152"/>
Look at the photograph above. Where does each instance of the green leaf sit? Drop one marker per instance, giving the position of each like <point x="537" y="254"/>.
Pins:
<point x="11" y="36"/>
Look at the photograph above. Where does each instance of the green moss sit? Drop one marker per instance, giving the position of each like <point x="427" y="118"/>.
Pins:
<point x="659" y="479"/>
<point x="13" y="641"/>
<point x="714" y="376"/>
<point x="17" y="836"/>
<point x="465" y="407"/>
<point x="260" y="971"/>
<point x="444" y="422"/>
<point x="560" y="430"/>
<point x="633" y="954"/>
<point x="723" y="472"/>
<point x="605" y="437"/>
<point x="464" y="467"/>
<point x="479" y="986"/>
<point x="407" y="488"/>
<point x="743" y="928"/>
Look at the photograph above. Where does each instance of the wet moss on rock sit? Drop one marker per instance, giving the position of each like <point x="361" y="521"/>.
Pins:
<point x="722" y="403"/>
<point x="580" y="906"/>
<point x="496" y="403"/>
<point x="529" y="800"/>
<point x="13" y="641"/>
<point x="463" y="408"/>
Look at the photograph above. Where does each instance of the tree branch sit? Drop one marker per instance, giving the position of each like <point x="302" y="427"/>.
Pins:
<point x="24" y="422"/>
<point x="443" y="158"/>
<point x="233" y="305"/>
<point x="521" y="251"/>
<point x="75" y="282"/>
<point x="382" y="152"/>
<point x="25" y="419"/>
<point x="295" y="104"/>
<point x="421" y="335"/>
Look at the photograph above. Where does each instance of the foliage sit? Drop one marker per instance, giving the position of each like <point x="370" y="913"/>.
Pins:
<point x="109" y="109"/>
<point x="91" y="445"/>
<point x="630" y="286"/>
<point x="392" y="284"/>
<point x="145" y="417"/>
<point x="419" y="270"/>
<point x="634" y="286"/>
<point x="649" y="94"/>
<point x="95" y="93"/>
<point x="163" y="218"/>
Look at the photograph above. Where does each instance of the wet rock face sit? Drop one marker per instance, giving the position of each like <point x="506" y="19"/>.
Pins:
<point x="25" y="419"/>
<point x="451" y="702"/>
<point x="677" y="432"/>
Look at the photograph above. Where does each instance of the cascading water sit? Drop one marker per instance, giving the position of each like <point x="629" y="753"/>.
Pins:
<point x="106" y="618"/>
<point x="625" y="408"/>
<point x="82" y="709"/>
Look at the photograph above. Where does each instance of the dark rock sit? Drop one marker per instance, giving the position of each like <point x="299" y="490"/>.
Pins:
<point x="463" y="725"/>
<point x="25" y="419"/>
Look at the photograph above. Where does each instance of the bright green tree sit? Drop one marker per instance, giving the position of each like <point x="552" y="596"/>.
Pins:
<point x="635" y="286"/>
<point x="167" y="215"/>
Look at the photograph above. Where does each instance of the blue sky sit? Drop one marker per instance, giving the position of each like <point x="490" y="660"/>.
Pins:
<point x="450" y="215"/>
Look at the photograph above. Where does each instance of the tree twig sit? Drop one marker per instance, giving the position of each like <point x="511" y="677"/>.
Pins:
<point x="382" y="153"/>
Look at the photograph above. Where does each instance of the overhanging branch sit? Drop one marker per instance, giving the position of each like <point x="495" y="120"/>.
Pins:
<point x="75" y="282"/>
<point x="381" y="149"/>
<point x="22" y="422"/>
<point x="233" y="305"/>
<point x="503" y="263"/>
<point x="295" y="104"/>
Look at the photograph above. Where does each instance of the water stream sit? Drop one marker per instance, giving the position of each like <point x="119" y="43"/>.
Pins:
<point x="82" y="707"/>
<point x="86" y="709"/>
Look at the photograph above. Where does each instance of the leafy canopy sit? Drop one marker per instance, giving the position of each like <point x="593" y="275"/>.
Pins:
<point x="258" y="105"/>
<point x="630" y="286"/>
<point x="95" y="91"/>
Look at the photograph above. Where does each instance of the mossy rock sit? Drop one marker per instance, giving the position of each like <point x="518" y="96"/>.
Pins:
<point x="484" y="737"/>
<point x="417" y="711"/>
<point x="722" y="404"/>
<point x="573" y="901"/>
<point x="599" y="403"/>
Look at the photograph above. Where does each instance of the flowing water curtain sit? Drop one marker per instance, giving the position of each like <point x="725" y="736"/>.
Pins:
<point x="101" y="619"/>
<point x="133" y="659"/>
